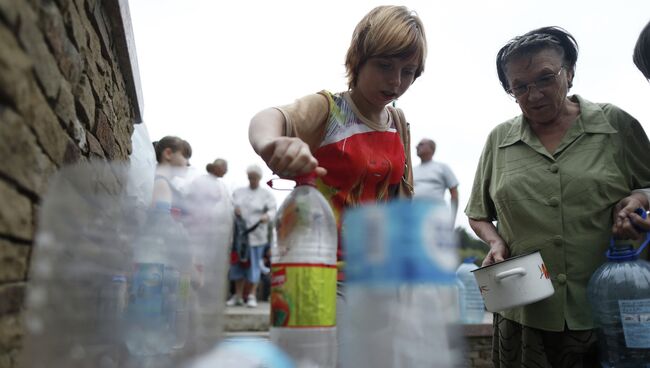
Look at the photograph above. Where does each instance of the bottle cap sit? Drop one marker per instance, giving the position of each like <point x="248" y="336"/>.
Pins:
<point x="306" y="179"/>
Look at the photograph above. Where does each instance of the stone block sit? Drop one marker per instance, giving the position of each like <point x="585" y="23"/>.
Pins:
<point x="15" y="213"/>
<point x="64" y="51"/>
<point x="11" y="333"/>
<point x="29" y="167"/>
<point x="14" y="261"/>
<point x="9" y="12"/>
<point x="12" y="297"/>
<point x="85" y="101"/>
<point x="73" y="23"/>
<point x="44" y="123"/>
<point x="14" y="65"/>
<point x="31" y="38"/>
<point x="94" y="147"/>
<point x="105" y="136"/>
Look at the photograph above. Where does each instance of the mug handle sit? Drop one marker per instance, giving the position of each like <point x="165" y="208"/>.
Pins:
<point x="514" y="272"/>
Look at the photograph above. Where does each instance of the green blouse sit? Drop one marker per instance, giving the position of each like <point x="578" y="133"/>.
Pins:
<point x="560" y="203"/>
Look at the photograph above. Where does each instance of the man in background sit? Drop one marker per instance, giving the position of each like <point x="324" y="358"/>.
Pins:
<point x="433" y="178"/>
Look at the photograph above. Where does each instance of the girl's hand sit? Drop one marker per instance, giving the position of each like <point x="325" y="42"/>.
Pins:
<point x="289" y="157"/>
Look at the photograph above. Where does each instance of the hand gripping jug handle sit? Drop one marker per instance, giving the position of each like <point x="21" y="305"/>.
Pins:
<point x="641" y="212"/>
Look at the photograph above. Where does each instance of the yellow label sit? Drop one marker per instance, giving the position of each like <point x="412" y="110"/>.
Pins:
<point x="303" y="295"/>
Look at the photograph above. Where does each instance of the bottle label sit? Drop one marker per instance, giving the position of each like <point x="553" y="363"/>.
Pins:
<point x="635" y="318"/>
<point x="399" y="242"/>
<point x="303" y="295"/>
<point x="146" y="293"/>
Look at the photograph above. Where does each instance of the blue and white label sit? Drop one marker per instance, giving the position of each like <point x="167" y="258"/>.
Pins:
<point x="635" y="318"/>
<point x="399" y="242"/>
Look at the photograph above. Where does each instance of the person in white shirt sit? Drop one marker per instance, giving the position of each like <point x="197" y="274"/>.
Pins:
<point x="433" y="178"/>
<point x="257" y="206"/>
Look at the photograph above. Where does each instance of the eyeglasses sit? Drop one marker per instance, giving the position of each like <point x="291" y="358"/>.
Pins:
<point x="544" y="81"/>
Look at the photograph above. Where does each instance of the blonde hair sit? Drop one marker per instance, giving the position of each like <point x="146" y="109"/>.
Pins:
<point x="386" y="31"/>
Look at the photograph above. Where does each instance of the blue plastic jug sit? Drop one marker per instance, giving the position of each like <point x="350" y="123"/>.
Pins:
<point x="619" y="295"/>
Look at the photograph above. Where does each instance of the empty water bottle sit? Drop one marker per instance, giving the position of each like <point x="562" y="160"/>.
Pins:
<point x="619" y="294"/>
<point x="472" y="307"/>
<point x="400" y="294"/>
<point x="159" y="288"/>
<point x="303" y="277"/>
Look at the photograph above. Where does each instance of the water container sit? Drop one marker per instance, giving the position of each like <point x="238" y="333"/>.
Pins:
<point x="619" y="295"/>
<point x="400" y="292"/>
<point x="158" y="312"/>
<point x="473" y="309"/>
<point x="303" y="277"/>
<point x="244" y="353"/>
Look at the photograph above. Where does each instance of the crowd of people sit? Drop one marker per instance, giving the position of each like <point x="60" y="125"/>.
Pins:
<point x="562" y="177"/>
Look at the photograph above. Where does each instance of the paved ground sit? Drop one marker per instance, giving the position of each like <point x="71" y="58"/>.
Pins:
<point x="241" y="319"/>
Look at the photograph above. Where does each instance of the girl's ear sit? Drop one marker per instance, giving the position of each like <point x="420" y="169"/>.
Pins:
<point x="167" y="154"/>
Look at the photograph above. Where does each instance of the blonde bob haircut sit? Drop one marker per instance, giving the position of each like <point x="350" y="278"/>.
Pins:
<point x="386" y="31"/>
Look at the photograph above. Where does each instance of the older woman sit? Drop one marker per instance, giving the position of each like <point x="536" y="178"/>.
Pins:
<point x="558" y="178"/>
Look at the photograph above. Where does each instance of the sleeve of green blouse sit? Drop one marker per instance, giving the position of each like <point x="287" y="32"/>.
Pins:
<point x="637" y="151"/>
<point x="480" y="205"/>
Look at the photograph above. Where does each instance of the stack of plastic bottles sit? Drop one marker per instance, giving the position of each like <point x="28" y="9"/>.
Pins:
<point x="115" y="282"/>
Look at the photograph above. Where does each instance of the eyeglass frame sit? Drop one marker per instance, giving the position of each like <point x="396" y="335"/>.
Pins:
<point x="535" y="82"/>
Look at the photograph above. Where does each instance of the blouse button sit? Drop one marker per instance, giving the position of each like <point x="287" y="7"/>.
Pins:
<point x="557" y="240"/>
<point x="554" y="168"/>
<point x="561" y="278"/>
<point x="553" y="202"/>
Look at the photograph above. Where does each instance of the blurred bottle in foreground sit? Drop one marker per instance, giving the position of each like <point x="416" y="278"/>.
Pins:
<point x="619" y="294"/>
<point x="472" y="308"/>
<point x="158" y="311"/>
<point x="401" y="294"/>
<point x="244" y="353"/>
<point x="303" y="277"/>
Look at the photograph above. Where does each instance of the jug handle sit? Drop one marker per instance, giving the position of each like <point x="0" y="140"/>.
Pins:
<point x="641" y="212"/>
<point x="513" y="272"/>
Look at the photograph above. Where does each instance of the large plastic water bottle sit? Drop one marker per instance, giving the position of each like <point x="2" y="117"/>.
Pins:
<point x="303" y="277"/>
<point x="157" y="312"/>
<point x="619" y="294"/>
<point x="401" y="292"/>
<point x="472" y="307"/>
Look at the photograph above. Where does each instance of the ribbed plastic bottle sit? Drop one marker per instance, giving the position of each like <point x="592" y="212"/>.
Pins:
<point x="401" y="294"/>
<point x="303" y="277"/>
<point x="158" y="288"/>
<point x="619" y="295"/>
<point x="473" y="309"/>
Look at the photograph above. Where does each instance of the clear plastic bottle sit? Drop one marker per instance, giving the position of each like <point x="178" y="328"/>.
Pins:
<point x="303" y="277"/>
<point x="157" y="291"/>
<point x="473" y="310"/>
<point x="112" y="306"/>
<point x="401" y="296"/>
<point x="619" y="295"/>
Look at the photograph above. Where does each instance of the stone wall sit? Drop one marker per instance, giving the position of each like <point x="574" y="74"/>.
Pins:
<point x="478" y="342"/>
<point x="65" y="96"/>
